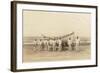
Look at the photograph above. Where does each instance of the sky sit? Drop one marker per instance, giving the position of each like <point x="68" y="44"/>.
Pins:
<point x="36" y="23"/>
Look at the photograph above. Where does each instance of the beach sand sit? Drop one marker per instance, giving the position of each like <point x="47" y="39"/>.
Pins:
<point x="31" y="55"/>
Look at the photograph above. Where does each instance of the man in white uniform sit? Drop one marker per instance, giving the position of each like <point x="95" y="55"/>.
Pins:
<point x="59" y="44"/>
<point x="54" y="44"/>
<point x="69" y="43"/>
<point x="77" y="43"/>
<point x="35" y="44"/>
<point x="40" y="44"/>
<point x="50" y="44"/>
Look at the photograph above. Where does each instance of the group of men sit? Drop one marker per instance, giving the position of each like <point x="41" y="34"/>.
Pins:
<point x="56" y="44"/>
<point x="74" y="44"/>
<point x="47" y="44"/>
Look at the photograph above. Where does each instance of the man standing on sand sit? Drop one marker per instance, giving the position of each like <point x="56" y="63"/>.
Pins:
<point x="69" y="43"/>
<point x="77" y="43"/>
<point x="59" y="44"/>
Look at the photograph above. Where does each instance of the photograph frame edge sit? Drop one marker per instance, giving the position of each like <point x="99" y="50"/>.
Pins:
<point x="14" y="36"/>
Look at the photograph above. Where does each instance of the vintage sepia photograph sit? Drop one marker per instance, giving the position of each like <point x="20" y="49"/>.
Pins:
<point x="51" y="36"/>
<point x="46" y="36"/>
